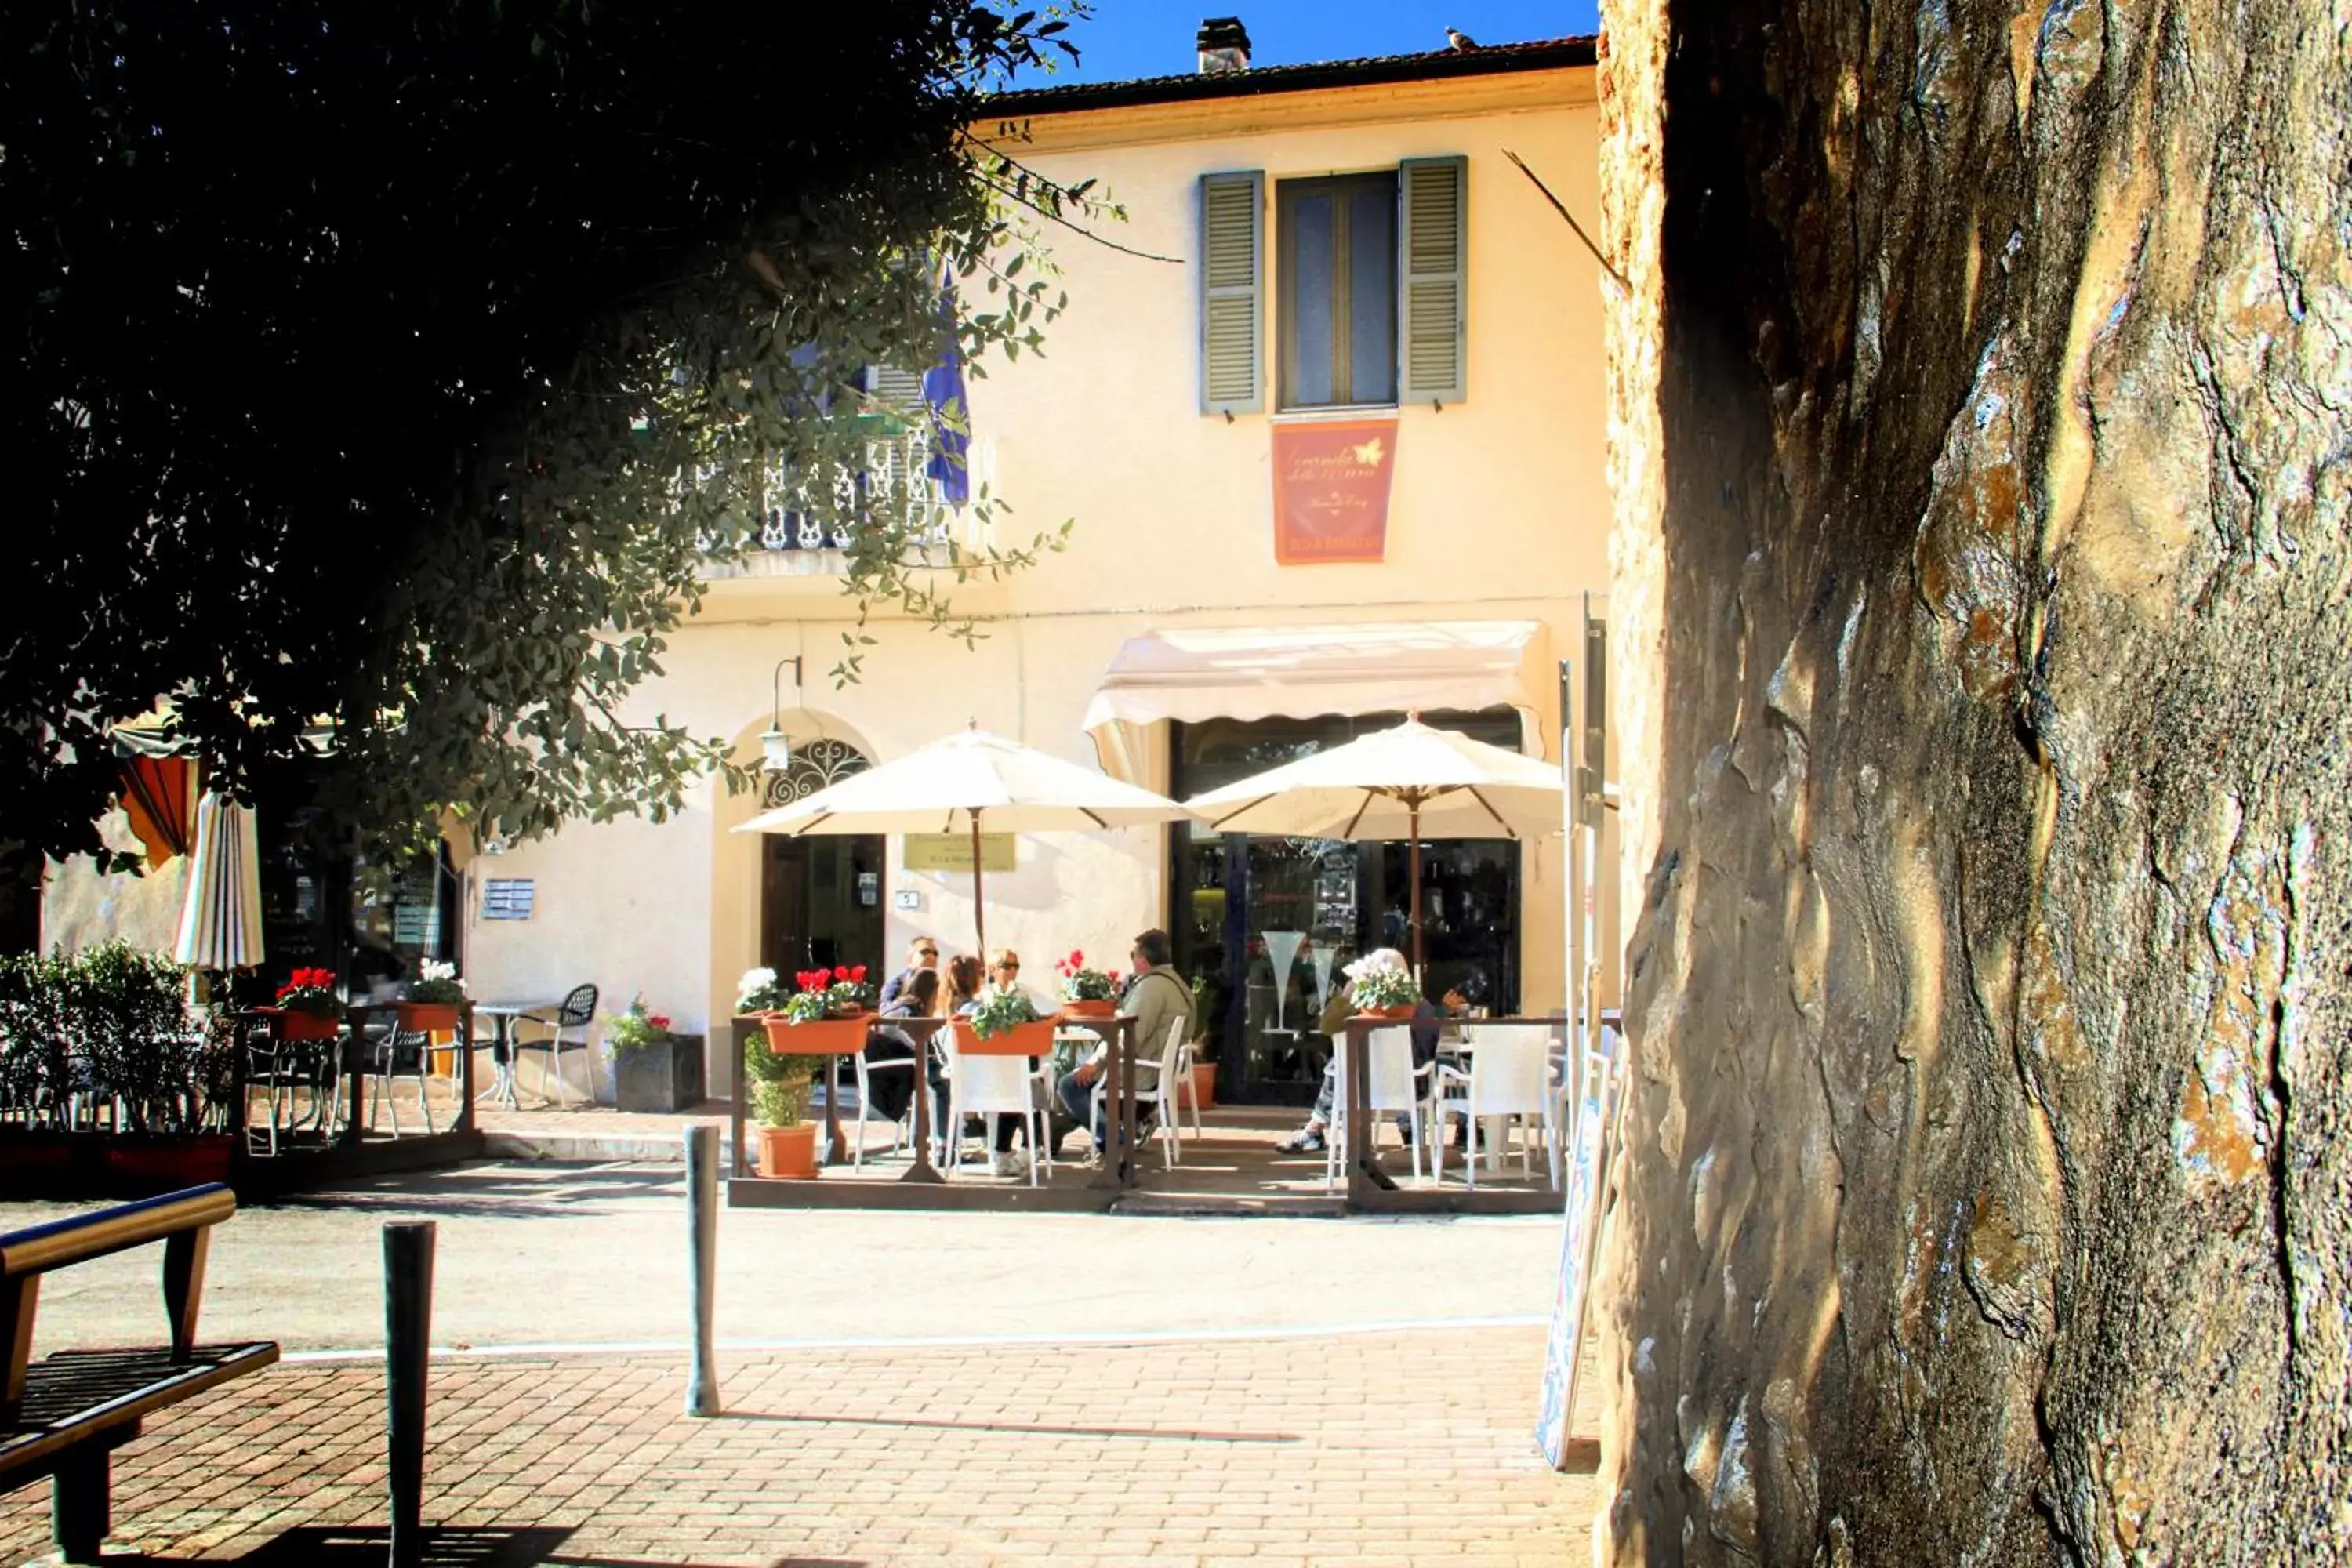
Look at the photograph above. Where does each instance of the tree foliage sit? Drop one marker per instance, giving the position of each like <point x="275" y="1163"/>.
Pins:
<point x="383" y="375"/>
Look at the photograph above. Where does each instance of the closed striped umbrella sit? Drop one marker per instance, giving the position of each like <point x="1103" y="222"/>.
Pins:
<point x="220" y="925"/>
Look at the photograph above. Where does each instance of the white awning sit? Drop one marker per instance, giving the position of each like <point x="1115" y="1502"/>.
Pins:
<point x="1261" y="672"/>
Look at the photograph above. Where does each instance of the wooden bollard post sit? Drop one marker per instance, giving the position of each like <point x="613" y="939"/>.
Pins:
<point x="408" y="1338"/>
<point x="702" y="1263"/>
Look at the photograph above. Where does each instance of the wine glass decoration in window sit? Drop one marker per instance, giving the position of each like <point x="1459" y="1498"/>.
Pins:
<point x="815" y="766"/>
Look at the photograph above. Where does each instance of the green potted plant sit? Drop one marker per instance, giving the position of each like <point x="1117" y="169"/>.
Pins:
<point x="655" y="1068"/>
<point x="1382" y="990"/>
<point x="1087" y="992"/>
<point x="781" y="1062"/>
<point x="1003" y="1024"/>
<point x="307" y="1008"/>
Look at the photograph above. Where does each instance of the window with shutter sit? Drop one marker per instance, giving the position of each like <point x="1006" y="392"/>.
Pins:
<point x="1432" y="285"/>
<point x="1336" y="255"/>
<point x="1233" y="376"/>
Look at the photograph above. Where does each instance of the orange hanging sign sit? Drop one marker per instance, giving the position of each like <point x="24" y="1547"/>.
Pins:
<point x="1331" y="491"/>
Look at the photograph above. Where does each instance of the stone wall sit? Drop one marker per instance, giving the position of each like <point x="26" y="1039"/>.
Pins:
<point x="1982" y="623"/>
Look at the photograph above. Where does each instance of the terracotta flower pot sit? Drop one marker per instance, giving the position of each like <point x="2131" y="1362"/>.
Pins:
<point x="1204" y="1085"/>
<point x="1020" y="1040"/>
<point x="426" y="1017"/>
<point x="1103" y="1007"/>
<point x="788" y="1151"/>
<point x="1401" y="1010"/>
<point x="299" y="1026"/>
<point x="819" y="1037"/>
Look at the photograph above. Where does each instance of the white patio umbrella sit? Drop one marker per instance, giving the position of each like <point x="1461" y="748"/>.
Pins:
<point x="220" y="923"/>
<point x="1412" y="782"/>
<point x="971" y="782"/>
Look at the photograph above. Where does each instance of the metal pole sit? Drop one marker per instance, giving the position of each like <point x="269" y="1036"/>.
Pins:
<point x="1413" y="810"/>
<point x="408" y="1338"/>
<point x="978" y="905"/>
<point x="702" y="1263"/>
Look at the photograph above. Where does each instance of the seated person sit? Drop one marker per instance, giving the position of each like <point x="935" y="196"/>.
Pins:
<point x="1333" y="1022"/>
<point x="1005" y="979"/>
<point x="922" y="954"/>
<point x="893" y="1091"/>
<point x="1155" y="997"/>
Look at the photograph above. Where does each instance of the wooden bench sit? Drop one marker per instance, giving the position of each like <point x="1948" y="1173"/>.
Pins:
<point x="61" y="1418"/>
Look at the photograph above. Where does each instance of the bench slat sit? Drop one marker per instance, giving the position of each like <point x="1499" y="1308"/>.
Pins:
<point x="75" y="1395"/>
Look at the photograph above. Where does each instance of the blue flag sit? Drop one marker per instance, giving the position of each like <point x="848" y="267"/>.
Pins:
<point x="951" y="419"/>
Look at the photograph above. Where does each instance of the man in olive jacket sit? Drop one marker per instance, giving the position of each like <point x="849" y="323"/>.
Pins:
<point x="1157" y="998"/>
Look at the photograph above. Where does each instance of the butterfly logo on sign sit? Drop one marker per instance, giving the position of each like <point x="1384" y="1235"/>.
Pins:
<point x="1369" y="453"/>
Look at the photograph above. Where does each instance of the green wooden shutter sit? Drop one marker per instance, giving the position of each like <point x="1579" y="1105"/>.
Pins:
<point x="1433" y="279"/>
<point x="1232" y="311"/>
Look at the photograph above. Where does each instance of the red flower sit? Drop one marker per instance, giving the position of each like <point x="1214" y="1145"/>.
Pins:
<point x="858" y="975"/>
<point x="841" y="971"/>
<point x="659" y="1021"/>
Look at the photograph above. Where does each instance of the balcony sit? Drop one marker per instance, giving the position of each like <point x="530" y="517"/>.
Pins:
<point x="789" y="543"/>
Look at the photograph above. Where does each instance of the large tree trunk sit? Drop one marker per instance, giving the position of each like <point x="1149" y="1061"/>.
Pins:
<point x="1988" y="1192"/>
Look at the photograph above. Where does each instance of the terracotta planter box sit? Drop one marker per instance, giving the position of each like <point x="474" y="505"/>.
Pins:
<point x="294" y="1025"/>
<point x="1102" y="1008"/>
<point x="789" y="1152"/>
<point x="1204" y="1088"/>
<point x="427" y="1017"/>
<point x="165" y="1164"/>
<point x="664" y="1079"/>
<point x="1020" y="1040"/>
<point x="823" y="1037"/>
<point x="1387" y="1015"/>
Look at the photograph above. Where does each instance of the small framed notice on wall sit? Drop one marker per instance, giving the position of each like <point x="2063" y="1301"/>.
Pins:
<point x="507" y="899"/>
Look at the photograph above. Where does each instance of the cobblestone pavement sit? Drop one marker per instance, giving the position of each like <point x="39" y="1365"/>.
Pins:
<point x="1401" y="1449"/>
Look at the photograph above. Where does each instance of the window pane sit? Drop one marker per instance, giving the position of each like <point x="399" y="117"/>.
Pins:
<point x="1371" y="294"/>
<point x="1313" y="266"/>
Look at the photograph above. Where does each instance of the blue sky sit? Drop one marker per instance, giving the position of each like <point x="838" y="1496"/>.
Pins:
<point x="1154" y="37"/>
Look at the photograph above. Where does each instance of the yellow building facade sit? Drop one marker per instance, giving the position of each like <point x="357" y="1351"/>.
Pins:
<point x="1169" y="640"/>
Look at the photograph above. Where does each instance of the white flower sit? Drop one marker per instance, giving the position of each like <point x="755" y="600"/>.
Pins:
<point x="1369" y="962"/>
<point x="440" y="969"/>
<point x="755" y="981"/>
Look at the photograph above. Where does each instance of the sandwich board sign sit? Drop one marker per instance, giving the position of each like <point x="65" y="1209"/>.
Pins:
<point x="1579" y="1243"/>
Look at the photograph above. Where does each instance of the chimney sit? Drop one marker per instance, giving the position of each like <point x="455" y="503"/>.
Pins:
<point x="1224" y="44"/>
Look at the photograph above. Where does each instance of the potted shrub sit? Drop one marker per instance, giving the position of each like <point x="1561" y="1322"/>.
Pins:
<point x="432" y="1003"/>
<point x="654" y="1069"/>
<point x="307" y="1008"/>
<point x="1382" y="990"/>
<point x="781" y="1061"/>
<point x="1087" y="992"/>
<point x="1203" y="1086"/>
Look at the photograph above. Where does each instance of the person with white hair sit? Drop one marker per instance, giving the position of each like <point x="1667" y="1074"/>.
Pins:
<point x="1333" y="1022"/>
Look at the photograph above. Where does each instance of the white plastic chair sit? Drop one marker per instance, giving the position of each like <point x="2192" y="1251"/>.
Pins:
<point x="989" y="1087"/>
<point x="1394" y="1087"/>
<point x="1185" y="1061"/>
<point x="1510" y="1075"/>
<point x="1161" y="1097"/>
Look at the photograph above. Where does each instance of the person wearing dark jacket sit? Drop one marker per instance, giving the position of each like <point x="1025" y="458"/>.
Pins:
<point x="1425" y="1024"/>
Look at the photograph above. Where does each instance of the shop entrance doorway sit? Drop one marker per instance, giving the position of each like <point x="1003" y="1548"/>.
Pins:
<point x="1265" y="925"/>
<point x="820" y="902"/>
<point x="820" y="898"/>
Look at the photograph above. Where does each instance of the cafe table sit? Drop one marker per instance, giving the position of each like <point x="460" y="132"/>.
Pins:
<point x="502" y="1017"/>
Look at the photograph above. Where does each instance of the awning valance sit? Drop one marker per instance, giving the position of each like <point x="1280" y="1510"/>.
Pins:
<point x="1263" y="672"/>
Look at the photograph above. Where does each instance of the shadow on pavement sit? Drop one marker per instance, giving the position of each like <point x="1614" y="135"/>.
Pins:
<point x="494" y="1191"/>
<point x="336" y="1546"/>
<point x="1152" y="1434"/>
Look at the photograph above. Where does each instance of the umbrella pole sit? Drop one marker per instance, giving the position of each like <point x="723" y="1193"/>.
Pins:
<point x="1412" y="813"/>
<point x="979" y="909"/>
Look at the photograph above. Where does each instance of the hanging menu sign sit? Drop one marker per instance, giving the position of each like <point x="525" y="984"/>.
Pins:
<point x="1331" y="491"/>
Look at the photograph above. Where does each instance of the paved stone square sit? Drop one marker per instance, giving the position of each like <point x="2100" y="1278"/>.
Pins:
<point x="1367" y="1448"/>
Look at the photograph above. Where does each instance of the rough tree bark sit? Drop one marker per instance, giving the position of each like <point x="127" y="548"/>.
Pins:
<point x="1982" y="554"/>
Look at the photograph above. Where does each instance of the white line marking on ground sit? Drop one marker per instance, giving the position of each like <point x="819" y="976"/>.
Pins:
<point x="937" y="1342"/>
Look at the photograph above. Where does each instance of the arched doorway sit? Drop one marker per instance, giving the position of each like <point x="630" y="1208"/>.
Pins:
<point x="821" y="899"/>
